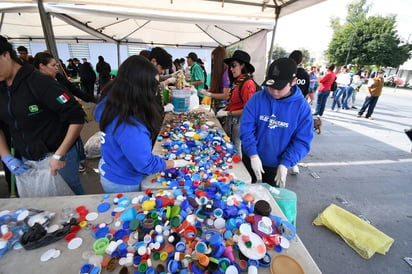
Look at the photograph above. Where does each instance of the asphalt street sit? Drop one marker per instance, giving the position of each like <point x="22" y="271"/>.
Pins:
<point x="361" y="165"/>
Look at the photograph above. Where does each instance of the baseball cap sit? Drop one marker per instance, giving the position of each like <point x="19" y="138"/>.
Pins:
<point x="280" y="72"/>
<point x="192" y="56"/>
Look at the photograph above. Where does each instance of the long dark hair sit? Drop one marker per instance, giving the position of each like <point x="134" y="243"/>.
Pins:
<point x="6" y="46"/>
<point x="219" y="54"/>
<point x="132" y="95"/>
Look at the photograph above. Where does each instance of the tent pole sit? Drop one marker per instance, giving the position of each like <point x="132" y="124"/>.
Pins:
<point x="277" y="12"/>
<point x="118" y="54"/>
<point x="48" y="31"/>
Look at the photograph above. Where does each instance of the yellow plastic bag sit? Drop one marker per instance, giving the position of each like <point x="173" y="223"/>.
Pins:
<point x="361" y="236"/>
<point x="206" y="100"/>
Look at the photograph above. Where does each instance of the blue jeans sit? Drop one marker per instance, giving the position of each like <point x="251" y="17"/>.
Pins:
<point x="348" y="96"/>
<point x="70" y="172"/>
<point x="370" y="103"/>
<point x="336" y="98"/>
<point x="321" y="102"/>
<point x="110" y="187"/>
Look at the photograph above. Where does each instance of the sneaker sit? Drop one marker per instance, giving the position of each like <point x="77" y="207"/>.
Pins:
<point x="370" y="118"/>
<point x="358" y="115"/>
<point x="82" y="166"/>
<point x="294" y="170"/>
<point x="354" y="107"/>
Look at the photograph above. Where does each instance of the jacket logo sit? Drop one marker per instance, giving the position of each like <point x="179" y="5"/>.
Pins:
<point x="62" y="99"/>
<point x="33" y="108"/>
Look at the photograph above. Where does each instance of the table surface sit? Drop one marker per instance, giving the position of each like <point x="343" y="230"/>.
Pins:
<point x="71" y="260"/>
<point x="238" y="169"/>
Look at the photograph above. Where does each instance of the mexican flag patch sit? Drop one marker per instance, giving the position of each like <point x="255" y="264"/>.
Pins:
<point x="63" y="98"/>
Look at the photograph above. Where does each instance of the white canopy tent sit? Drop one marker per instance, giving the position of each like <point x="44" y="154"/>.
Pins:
<point x="166" y="23"/>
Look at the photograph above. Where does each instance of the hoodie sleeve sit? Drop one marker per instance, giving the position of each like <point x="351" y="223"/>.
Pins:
<point x="136" y="144"/>
<point x="248" y="127"/>
<point x="301" y="139"/>
<point x="56" y="98"/>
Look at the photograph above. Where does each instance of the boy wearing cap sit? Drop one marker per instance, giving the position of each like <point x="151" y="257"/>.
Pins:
<point x="276" y="129"/>
<point x="197" y="77"/>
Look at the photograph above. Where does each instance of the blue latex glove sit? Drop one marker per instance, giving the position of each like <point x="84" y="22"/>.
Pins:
<point x="16" y="166"/>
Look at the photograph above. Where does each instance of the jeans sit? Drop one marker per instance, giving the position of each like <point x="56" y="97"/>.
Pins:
<point x="321" y="102"/>
<point x="370" y="103"/>
<point x="70" y="172"/>
<point x="110" y="187"/>
<point x="348" y="97"/>
<point x="336" y="98"/>
<point x="267" y="177"/>
<point x="232" y="129"/>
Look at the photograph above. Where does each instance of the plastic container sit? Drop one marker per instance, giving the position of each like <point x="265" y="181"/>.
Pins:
<point x="181" y="100"/>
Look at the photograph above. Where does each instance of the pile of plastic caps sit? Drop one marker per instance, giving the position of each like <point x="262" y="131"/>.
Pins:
<point x="190" y="137"/>
<point x="213" y="228"/>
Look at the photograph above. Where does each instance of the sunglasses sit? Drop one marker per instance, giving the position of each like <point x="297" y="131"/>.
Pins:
<point x="233" y="65"/>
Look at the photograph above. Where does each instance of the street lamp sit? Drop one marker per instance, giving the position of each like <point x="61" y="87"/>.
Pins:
<point x="351" y="42"/>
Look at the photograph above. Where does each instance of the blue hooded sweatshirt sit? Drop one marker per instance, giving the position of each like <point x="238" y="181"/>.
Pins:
<point x="127" y="153"/>
<point x="279" y="131"/>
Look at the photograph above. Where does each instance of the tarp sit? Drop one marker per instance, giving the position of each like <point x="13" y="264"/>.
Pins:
<point x="180" y="23"/>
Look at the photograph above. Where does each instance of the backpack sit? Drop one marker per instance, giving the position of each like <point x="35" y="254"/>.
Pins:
<point x="258" y="87"/>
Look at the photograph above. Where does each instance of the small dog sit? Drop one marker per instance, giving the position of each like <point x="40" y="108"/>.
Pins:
<point x="317" y="124"/>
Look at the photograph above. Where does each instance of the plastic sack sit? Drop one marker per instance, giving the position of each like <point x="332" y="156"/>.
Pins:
<point x="39" y="182"/>
<point x="194" y="100"/>
<point x="92" y="148"/>
<point x="364" y="238"/>
<point x="286" y="200"/>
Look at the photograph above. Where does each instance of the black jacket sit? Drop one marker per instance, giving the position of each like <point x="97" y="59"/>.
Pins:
<point x="38" y="111"/>
<point x="74" y="90"/>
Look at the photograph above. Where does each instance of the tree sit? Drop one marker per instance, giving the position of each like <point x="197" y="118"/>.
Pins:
<point x="278" y="52"/>
<point x="367" y="40"/>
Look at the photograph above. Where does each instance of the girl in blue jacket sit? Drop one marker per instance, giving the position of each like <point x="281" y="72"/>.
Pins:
<point x="128" y="118"/>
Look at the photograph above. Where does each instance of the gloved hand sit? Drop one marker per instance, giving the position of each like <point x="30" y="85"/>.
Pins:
<point x="181" y="163"/>
<point x="280" y="177"/>
<point x="171" y="80"/>
<point x="16" y="166"/>
<point x="257" y="166"/>
<point x="169" y="107"/>
<point x="205" y="92"/>
<point x="222" y="113"/>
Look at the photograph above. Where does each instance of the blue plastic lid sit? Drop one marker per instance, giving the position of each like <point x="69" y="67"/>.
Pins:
<point x="103" y="207"/>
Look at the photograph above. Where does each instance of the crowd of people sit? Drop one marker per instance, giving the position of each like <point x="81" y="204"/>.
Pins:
<point x="270" y="124"/>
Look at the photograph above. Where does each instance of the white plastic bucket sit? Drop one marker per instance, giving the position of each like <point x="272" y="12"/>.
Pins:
<point x="181" y="100"/>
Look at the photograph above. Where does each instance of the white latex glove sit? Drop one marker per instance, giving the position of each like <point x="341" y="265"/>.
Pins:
<point x="280" y="177"/>
<point x="257" y="166"/>
<point x="181" y="163"/>
<point x="205" y="92"/>
<point x="222" y="113"/>
<point x="169" y="107"/>
<point x="171" y="80"/>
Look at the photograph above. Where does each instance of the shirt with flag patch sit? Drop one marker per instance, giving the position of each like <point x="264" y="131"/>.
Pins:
<point x="62" y="99"/>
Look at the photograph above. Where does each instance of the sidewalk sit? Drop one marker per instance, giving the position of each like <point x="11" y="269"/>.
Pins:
<point x="363" y="166"/>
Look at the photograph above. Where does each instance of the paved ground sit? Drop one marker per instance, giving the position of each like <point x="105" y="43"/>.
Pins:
<point x="361" y="165"/>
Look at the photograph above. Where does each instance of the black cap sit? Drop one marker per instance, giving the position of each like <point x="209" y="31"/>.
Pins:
<point x="280" y="72"/>
<point x="75" y="59"/>
<point x="69" y="60"/>
<point x="242" y="57"/>
<point x="192" y="56"/>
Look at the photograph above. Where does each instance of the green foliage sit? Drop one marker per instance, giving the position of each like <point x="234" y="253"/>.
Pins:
<point x="367" y="40"/>
<point x="278" y="52"/>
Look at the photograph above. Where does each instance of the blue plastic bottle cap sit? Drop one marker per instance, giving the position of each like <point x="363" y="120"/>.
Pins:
<point x="103" y="207"/>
